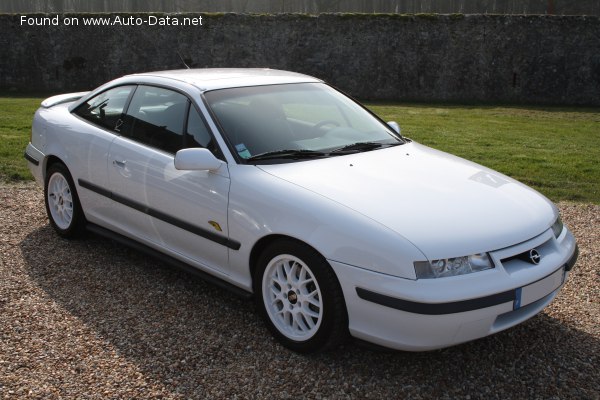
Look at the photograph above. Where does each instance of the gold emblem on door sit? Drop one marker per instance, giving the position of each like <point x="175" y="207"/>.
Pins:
<point x="215" y="225"/>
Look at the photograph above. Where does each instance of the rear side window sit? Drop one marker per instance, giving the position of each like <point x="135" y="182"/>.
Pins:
<point x="156" y="117"/>
<point x="106" y="109"/>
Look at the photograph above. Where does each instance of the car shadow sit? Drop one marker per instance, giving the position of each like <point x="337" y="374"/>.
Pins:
<point x="193" y="337"/>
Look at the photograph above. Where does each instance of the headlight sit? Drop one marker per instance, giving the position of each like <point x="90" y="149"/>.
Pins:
<point x="557" y="227"/>
<point x="453" y="266"/>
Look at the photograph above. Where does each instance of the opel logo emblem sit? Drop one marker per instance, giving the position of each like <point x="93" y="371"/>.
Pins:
<point x="534" y="256"/>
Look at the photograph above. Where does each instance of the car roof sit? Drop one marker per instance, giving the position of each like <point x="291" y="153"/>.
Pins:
<point x="220" y="78"/>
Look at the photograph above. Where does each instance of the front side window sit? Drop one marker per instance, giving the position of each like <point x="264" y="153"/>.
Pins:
<point x="156" y="117"/>
<point x="294" y="120"/>
<point x="198" y="135"/>
<point x="106" y="109"/>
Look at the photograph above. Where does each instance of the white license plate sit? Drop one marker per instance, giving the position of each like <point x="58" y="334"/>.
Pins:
<point x="535" y="291"/>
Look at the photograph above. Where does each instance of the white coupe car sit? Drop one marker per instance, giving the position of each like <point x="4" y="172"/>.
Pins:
<point x="274" y="184"/>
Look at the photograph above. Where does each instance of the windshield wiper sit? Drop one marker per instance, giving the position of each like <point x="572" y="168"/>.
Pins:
<point x="287" y="153"/>
<point x="297" y="154"/>
<point x="362" y="146"/>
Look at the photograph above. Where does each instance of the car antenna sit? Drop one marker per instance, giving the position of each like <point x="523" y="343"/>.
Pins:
<point x="183" y="61"/>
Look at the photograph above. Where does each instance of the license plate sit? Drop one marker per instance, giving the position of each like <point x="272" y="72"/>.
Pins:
<point x="535" y="291"/>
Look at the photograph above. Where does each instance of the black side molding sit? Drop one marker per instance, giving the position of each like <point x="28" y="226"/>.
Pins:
<point x="436" y="308"/>
<point x="31" y="159"/>
<point x="205" y="233"/>
<point x="173" y="262"/>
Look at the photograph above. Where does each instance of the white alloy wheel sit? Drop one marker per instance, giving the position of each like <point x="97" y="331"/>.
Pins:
<point x="62" y="204"/>
<point x="60" y="200"/>
<point x="292" y="297"/>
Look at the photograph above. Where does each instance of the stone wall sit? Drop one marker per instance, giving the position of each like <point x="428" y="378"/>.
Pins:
<point x="557" y="7"/>
<point x="473" y="58"/>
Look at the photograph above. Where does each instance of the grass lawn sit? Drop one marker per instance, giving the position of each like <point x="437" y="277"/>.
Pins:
<point x="555" y="150"/>
<point x="15" y="126"/>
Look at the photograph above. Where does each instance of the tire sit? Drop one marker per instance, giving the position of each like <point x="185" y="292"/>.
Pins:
<point x="62" y="204"/>
<point x="300" y="298"/>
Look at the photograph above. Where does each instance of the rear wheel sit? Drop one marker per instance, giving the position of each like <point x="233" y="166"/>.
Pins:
<point x="62" y="203"/>
<point x="300" y="297"/>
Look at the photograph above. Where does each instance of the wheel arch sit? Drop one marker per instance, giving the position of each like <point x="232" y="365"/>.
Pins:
<point x="334" y="329"/>
<point x="265" y="241"/>
<point x="261" y="245"/>
<point x="75" y="221"/>
<point x="48" y="162"/>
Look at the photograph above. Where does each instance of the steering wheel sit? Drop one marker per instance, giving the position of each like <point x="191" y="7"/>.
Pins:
<point x="317" y="127"/>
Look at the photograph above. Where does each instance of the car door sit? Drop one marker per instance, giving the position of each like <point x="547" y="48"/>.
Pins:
<point x="89" y="138"/>
<point x="181" y="212"/>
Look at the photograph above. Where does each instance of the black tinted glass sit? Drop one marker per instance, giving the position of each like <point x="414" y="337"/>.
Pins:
<point x="304" y="116"/>
<point x="156" y="117"/>
<point x="197" y="133"/>
<point x="106" y="109"/>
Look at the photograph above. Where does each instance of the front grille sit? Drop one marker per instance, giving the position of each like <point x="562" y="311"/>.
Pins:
<point x="517" y="262"/>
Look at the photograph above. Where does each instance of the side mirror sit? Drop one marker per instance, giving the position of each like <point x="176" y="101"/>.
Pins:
<point x="394" y="125"/>
<point x="196" y="159"/>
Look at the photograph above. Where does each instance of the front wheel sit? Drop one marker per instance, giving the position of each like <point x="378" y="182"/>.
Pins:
<point x="300" y="297"/>
<point x="62" y="203"/>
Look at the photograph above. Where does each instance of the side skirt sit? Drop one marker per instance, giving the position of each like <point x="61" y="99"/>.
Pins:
<point x="173" y="262"/>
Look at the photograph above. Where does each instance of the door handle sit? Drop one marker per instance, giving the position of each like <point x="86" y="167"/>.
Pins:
<point x="122" y="168"/>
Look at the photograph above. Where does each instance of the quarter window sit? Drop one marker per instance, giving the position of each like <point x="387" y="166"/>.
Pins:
<point x="156" y="117"/>
<point x="106" y="109"/>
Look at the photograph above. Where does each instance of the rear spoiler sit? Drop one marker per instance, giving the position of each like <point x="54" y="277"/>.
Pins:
<point x="62" y="98"/>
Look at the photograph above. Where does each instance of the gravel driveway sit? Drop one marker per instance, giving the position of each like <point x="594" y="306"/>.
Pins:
<point x="93" y="319"/>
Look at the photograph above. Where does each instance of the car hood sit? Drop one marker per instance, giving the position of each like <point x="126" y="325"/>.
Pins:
<point x="444" y="205"/>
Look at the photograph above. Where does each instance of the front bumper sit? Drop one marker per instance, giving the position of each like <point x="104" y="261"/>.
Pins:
<point x="428" y="314"/>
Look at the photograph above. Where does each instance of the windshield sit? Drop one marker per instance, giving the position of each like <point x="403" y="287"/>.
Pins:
<point x="309" y="117"/>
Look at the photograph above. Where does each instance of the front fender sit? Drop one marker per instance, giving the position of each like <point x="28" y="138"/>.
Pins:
<point x="261" y="205"/>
